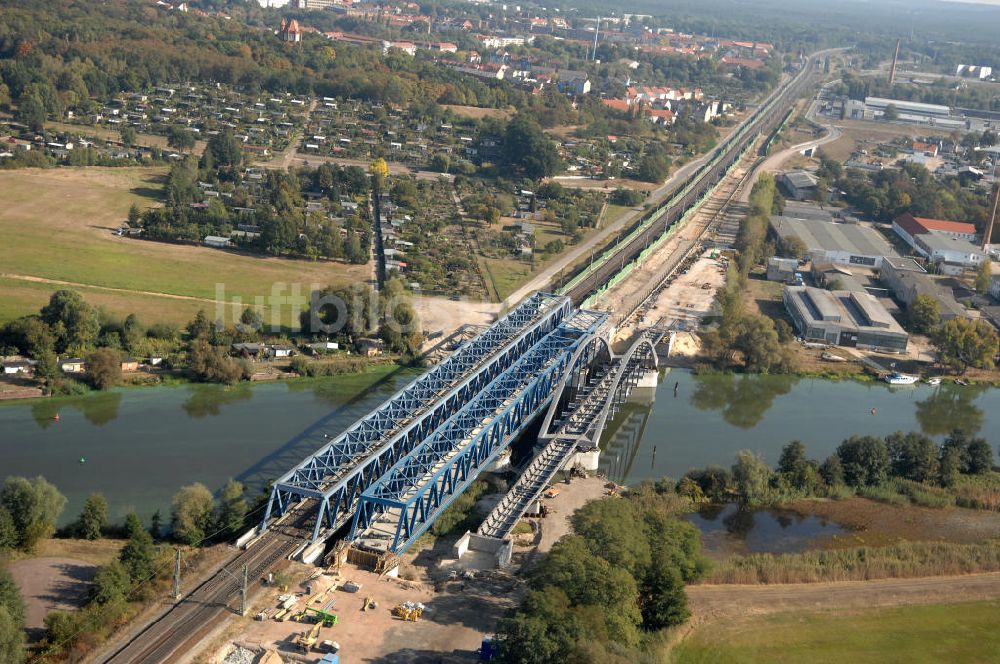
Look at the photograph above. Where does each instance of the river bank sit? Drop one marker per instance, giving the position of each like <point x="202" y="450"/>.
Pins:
<point x="139" y="446"/>
<point x="709" y="417"/>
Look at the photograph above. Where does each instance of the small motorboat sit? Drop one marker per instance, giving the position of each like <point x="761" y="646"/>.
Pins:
<point x="959" y="381"/>
<point x="936" y="380"/>
<point x="901" y="379"/>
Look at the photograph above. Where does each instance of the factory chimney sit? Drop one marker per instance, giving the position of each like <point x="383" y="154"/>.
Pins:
<point x="895" y="61"/>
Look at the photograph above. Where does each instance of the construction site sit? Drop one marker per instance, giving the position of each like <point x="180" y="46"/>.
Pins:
<point x="438" y="609"/>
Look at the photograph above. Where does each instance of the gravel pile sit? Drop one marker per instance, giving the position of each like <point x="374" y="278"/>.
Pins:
<point x="240" y="656"/>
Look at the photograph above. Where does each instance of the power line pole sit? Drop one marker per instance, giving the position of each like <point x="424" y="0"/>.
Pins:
<point x="597" y="31"/>
<point x="177" y="575"/>
<point x="243" y="593"/>
<point x="988" y="235"/>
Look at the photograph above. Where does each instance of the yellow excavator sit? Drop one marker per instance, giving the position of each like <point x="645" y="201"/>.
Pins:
<point x="309" y="637"/>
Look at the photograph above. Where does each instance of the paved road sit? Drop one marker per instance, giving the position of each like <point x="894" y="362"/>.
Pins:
<point x="774" y="162"/>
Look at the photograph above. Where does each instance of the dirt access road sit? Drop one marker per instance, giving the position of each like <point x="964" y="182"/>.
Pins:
<point x="725" y="602"/>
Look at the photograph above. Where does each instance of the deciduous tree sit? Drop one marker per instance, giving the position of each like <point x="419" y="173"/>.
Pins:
<point x="12" y="614"/>
<point x="962" y="343"/>
<point x="138" y="555"/>
<point x="104" y="368"/>
<point x="34" y="505"/>
<point x="93" y="517"/>
<point x="865" y="460"/>
<point x="751" y="476"/>
<point x="923" y="314"/>
<point x="191" y="511"/>
<point x="232" y="508"/>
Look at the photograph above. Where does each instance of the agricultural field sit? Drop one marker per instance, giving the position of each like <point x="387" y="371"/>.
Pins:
<point x="58" y="223"/>
<point x="955" y="633"/>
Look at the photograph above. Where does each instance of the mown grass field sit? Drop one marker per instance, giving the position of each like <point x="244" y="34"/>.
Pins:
<point x="954" y="633"/>
<point x="57" y="225"/>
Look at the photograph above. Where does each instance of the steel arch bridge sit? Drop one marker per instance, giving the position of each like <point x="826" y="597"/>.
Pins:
<point x="589" y="396"/>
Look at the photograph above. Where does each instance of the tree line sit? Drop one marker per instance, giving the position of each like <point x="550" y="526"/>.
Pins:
<point x="69" y="326"/>
<point x="758" y="343"/>
<point x="29" y="512"/>
<point x="900" y="467"/>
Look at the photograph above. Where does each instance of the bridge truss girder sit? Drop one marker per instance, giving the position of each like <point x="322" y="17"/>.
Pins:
<point x="338" y="472"/>
<point x="422" y="484"/>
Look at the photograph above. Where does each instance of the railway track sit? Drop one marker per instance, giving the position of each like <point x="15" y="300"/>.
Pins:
<point x="715" y="210"/>
<point x="175" y="632"/>
<point x="187" y="622"/>
<point x="591" y="278"/>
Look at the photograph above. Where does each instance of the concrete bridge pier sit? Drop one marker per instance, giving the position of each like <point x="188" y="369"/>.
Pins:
<point x="643" y="393"/>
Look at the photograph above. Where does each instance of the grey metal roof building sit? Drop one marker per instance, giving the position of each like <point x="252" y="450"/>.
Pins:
<point x="800" y="184"/>
<point x="844" y="318"/>
<point x="847" y="244"/>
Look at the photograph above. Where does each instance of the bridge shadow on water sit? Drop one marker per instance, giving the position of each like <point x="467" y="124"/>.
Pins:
<point x="319" y="433"/>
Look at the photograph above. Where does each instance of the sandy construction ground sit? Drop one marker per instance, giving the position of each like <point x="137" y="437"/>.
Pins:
<point x="51" y="584"/>
<point x="441" y="314"/>
<point x="687" y="298"/>
<point x="456" y="618"/>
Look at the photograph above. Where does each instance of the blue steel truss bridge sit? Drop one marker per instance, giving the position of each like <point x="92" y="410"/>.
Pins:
<point x="384" y="481"/>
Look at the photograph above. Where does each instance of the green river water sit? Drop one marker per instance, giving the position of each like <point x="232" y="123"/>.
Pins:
<point x="140" y="445"/>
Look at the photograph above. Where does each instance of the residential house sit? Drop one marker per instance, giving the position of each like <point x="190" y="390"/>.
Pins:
<point x="13" y="367"/>
<point x="290" y="31"/>
<point x="280" y="350"/>
<point x="247" y="350"/>
<point x="371" y="347"/>
<point x="217" y="241"/>
<point x="321" y="347"/>
<point x="72" y="365"/>
<point x="573" y="82"/>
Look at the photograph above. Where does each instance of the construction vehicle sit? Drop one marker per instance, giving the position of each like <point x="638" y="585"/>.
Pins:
<point x="308" y="638"/>
<point x="409" y="611"/>
<point x="321" y="616"/>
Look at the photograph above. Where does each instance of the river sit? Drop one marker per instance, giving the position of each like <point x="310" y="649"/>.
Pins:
<point x="710" y="418"/>
<point x="140" y="445"/>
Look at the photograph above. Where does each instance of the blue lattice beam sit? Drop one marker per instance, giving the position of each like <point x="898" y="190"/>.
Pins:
<point x="403" y="503"/>
<point x="345" y="465"/>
